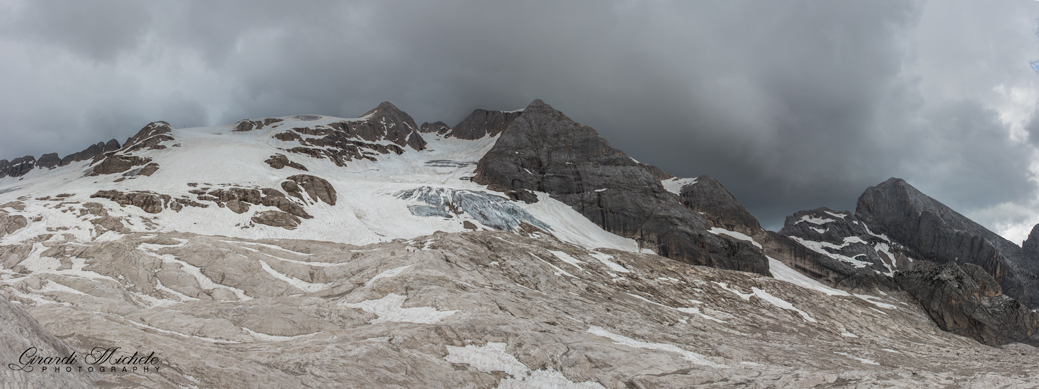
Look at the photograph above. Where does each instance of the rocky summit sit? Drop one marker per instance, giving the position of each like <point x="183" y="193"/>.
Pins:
<point x="514" y="249"/>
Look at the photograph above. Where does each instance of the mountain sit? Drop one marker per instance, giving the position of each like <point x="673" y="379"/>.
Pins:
<point x="514" y="249"/>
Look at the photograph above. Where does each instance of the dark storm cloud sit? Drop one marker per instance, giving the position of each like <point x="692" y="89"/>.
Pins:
<point x="792" y="105"/>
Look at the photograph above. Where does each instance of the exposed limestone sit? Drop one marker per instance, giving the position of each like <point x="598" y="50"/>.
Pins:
<point x="10" y="223"/>
<point x="479" y="309"/>
<point x="115" y="163"/>
<point x="316" y="187"/>
<point x="238" y="199"/>
<point x="249" y="125"/>
<point x="20" y="333"/>
<point x="150" y="137"/>
<point x="277" y="219"/>
<point x="147" y="201"/>
<point x="279" y="161"/>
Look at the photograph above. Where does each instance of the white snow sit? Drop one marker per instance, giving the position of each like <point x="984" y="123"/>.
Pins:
<point x="734" y="234"/>
<point x="558" y="271"/>
<point x="863" y="360"/>
<point x="626" y="341"/>
<point x="782" y="272"/>
<point x="566" y="258"/>
<point x="820" y="247"/>
<point x="781" y="303"/>
<point x="744" y="296"/>
<point x="676" y="184"/>
<point x="303" y="285"/>
<point x="871" y="299"/>
<point x="834" y="214"/>
<point x="814" y="220"/>
<point x="387" y="274"/>
<point x="493" y="357"/>
<point x="606" y="260"/>
<point x="389" y="308"/>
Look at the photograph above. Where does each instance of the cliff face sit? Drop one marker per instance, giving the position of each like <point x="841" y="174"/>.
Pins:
<point x="543" y="150"/>
<point x="933" y="232"/>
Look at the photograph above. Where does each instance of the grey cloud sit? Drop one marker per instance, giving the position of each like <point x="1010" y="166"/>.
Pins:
<point x="792" y="105"/>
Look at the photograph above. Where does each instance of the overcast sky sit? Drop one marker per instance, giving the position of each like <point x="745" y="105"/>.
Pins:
<point x="791" y="104"/>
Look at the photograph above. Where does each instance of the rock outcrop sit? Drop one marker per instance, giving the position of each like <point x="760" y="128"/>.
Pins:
<point x="439" y="128"/>
<point x="543" y="150"/>
<point x="316" y="187"/>
<point x="17" y="167"/>
<point x="92" y="152"/>
<point x="483" y="123"/>
<point x="966" y="300"/>
<point x="10" y="223"/>
<point x="850" y="254"/>
<point x="49" y="161"/>
<point x="149" y="137"/>
<point x="115" y="163"/>
<point x="934" y="232"/>
<point x="279" y="161"/>
<point x="719" y="206"/>
<point x="249" y="125"/>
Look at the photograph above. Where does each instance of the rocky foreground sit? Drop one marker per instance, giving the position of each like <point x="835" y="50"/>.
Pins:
<point x="471" y="310"/>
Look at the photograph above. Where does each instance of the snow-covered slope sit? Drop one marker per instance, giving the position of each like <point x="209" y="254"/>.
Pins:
<point x="370" y="206"/>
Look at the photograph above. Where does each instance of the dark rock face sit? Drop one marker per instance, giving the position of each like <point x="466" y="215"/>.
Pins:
<point x="49" y="161"/>
<point x="719" y="206"/>
<point x="149" y="137"/>
<point x="115" y="163"/>
<point x="355" y="139"/>
<point x="249" y="125"/>
<point x="277" y="219"/>
<point x="316" y="187"/>
<point x="17" y="167"/>
<point x="933" y="232"/>
<point x="11" y="223"/>
<point x="385" y="122"/>
<point x="279" y="161"/>
<point x="238" y="199"/>
<point x="483" y="123"/>
<point x="439" y="128"/>
<point x="148" y="201"/>
<point x="543" y="150"/>
<point x="967" y="301"/>
<point x="112" y="145"/>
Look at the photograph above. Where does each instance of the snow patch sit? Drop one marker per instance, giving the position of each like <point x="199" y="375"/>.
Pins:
<point x="781" y="303"/>
<point x="676" y="184"/>
<point x="733" y="234"/>
<point x="493" y="357"/>
<point x="606" y="260"/>
<point x="782" y="272"/>
<point x="390" y="308"/>
<point x="387" y="274"/>
<point x="626" y="341"/>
